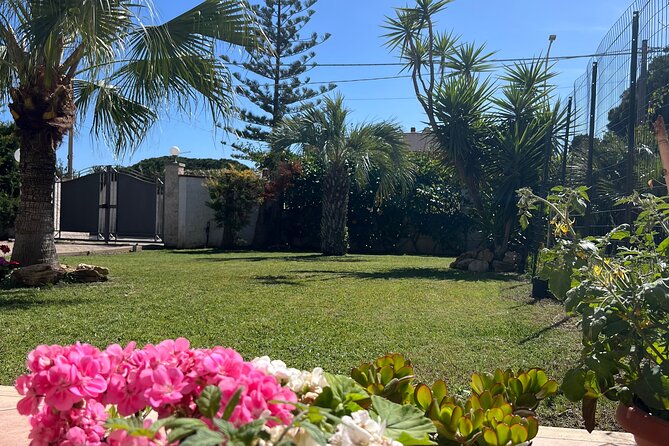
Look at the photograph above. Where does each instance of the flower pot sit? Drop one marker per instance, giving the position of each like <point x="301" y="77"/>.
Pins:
<point x="647" y="429"/>
<point x="540" y="288"/>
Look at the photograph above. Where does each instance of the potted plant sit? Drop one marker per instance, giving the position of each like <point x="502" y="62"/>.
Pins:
<point x="619" y="285"/>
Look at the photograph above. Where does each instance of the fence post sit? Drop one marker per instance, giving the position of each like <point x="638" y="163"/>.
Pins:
<point x="108" y="185"/>
<point x="591" y="145"/>
<point x="566" y="142"/>
<point x="642" y="85"/>
<point x="631" y="124"/>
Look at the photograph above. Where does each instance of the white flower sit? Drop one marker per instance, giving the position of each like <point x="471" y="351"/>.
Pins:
<point x="299" y="436"/>
<point x="361" y="430"/>
<point x="302" y="382"/>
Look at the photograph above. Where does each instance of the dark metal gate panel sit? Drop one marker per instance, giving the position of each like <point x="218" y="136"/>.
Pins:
<point x="79" y="204"/>
<point x="112" y="205"/>
<point x="136" y="207"/>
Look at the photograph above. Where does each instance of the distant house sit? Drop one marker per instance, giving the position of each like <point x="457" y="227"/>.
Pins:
<point x="419" y="142"/>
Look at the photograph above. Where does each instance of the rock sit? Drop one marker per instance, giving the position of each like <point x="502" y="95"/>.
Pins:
<point x="468" y="255"/>
<point x="88" y="274"/>
<point x="478" y="266"/>
<point x="38" y="275"/>
<point x="462" y="264"/>
<point x="503" y="267"/>
<point x="486" y="255"/>
<point x="511" y="257"/>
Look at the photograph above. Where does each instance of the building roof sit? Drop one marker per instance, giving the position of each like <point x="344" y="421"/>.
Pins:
<point x="419" y="141"/>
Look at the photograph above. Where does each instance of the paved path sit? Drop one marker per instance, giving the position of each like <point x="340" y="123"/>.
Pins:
<point x="14" y="429"/>
<point x="85" y="249"/>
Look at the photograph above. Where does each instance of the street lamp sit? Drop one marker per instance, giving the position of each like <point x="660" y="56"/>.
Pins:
<point x="175" y="152"/>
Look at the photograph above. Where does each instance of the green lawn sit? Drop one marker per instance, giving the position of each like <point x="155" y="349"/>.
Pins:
<point x="304" y="309"/>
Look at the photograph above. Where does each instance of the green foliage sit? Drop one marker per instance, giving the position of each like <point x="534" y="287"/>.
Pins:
<point x="155" y="167"/>
<point x="432" y="209"/>
<point x="277" y="87"/>
<point x="389" y="376"/>
<point x="404" y="423"/>
<point x="495" y="135"/>
<point x="343" y="396"/>
<point x="656" y="85"/>
<point x="619" y="285"/>
<point x="499" y="409"/>
<point x="9" y="178"/>
<point x="233" y="195"/>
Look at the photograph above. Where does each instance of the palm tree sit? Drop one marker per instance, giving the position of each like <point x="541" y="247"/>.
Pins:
<point x="348" y="153"/>
<point x="63" y="58"/>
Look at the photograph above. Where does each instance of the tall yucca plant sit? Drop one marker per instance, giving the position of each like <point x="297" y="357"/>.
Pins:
<point x="63" y="58"/>
<point x="348" y="152"/>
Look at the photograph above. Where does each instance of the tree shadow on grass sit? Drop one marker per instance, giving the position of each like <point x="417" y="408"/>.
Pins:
<point x="277" y="280"/>
<point x="418" y="273"/>
<point x="538" y="333"/>
<point x="24" y="299"/>
<point x="261" y="258"/>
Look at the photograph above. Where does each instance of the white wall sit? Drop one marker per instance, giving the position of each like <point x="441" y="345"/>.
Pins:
<point x="194" y="215"/>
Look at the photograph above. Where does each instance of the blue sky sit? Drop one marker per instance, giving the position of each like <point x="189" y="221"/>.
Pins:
<point x="515" y="28"/>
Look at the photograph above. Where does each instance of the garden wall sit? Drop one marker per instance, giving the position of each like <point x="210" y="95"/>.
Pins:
<point x="189" y="222"/>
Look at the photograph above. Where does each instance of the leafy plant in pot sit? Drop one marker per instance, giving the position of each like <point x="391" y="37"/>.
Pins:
<point x="619" y="285"/>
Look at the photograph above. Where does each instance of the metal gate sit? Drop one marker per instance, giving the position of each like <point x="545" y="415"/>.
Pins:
<point x="110" y="205"/>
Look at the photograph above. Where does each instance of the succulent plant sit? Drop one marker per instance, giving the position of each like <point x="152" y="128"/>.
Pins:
<point x="389" y="376"/>
<point x="499" y="411"/>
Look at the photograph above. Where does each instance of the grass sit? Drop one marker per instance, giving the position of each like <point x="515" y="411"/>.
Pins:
<point x="305" y="309"/>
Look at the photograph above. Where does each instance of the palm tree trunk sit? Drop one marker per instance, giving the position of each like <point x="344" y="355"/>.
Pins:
<point x="34" y="221"/>
<point x="43" y="112"/>
<point x="334" y="211"/>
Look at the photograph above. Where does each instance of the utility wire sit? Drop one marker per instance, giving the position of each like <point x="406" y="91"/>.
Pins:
<point x="406" y="76"/>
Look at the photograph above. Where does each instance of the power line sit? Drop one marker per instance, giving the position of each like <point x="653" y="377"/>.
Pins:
<point x="406" y="76"/>
<point x="502" y="60"/>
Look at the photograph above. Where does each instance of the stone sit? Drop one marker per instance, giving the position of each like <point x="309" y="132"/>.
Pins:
<point x="462" y="264"/>
<point x="84" y="273"/>
<point x="478" y="266"/>
<point x="511" y="257"/>
<point x="486" y="255"/>
<point x="468" y="255"/>
<point x="503" y="267"/>
<point x="38" y="275"/>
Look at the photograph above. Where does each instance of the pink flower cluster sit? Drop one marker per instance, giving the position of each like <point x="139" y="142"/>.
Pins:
<point x="68" y="387"/>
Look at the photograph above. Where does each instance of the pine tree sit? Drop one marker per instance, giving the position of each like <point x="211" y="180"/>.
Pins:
<point x="279" y="85"/>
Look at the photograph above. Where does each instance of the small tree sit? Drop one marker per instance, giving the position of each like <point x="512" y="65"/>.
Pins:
<point x="347" y="152"/>
<point x="233" y="195"/>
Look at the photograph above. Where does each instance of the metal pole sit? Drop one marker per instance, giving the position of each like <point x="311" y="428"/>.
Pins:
<point x="70" y="154"/>
<point x="591" y="144"/>
<point x="566" y="142"/>
<point x="108" y="184"/>
<point x="631" y="123"/>
<point x="642" y="85"/>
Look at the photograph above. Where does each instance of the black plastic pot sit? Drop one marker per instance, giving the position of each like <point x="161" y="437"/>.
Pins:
<point x="540" y="289"/>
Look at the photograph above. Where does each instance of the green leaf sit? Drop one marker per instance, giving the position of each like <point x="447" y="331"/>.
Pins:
<point x="183" y="427"/>
<point x="439" y="390"/>
<point x="652" y="387"/>
<point x="232" y="403"/>
<point x="209" y="401"/>
<point x="573" y="385"/>
<point x="423" y="396"/>
<point x="204" y="437"/>
<point x="406" y="424"/>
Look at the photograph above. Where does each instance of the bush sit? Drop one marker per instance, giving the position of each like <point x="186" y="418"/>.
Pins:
<point x="9" y="179"/>
<point x="432" y="209"/>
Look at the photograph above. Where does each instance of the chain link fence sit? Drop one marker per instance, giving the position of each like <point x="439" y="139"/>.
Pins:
<point x="612" y="148"/>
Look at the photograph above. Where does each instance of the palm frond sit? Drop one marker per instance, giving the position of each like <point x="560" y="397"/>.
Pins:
<point x="120" y="121"/>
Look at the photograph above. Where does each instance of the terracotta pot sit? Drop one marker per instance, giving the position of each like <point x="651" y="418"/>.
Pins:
<point x="647" y="429"/>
